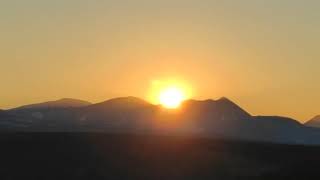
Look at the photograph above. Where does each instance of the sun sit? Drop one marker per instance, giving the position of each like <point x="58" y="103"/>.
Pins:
<point x="170" y="92"/>
<point x="171" y="97"/>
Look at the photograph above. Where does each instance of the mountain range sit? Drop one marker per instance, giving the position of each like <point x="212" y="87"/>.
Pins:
<point x="220" y="118"/>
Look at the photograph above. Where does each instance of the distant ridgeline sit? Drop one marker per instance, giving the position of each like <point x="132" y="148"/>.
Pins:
<point x="217" y="119"/>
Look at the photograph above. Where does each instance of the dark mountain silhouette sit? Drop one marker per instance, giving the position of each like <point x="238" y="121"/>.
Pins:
<point x="122" y="102"/>
<point x="52" y="115"/>
<point x="220" y="118"/>
<point x="61" y="103"/>
<point x="3" y="114"/>
<point x="314" y="122"/>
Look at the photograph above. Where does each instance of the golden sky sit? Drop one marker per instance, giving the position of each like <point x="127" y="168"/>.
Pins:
<point x="264" y="55"/>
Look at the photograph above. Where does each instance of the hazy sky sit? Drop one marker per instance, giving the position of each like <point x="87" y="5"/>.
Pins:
<point x="263" y="54"/>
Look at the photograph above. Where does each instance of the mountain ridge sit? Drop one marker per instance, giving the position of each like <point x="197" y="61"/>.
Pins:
<point x="60" y="103"/>
<point x="314" y="122"/>
<point x="209" y="118"/>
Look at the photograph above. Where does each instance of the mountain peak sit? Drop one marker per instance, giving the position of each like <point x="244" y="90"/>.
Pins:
<point x="314" y="122"/>
<point x="316" y="118"/>
<point x="68" y="99"/>
<point x="131" y="99"/>
<point x="225" y="100"/>
<point x="222" y="99"/>
<point x="71" y="100"/>
<point x="222" y="110"/>
<point x="128" y="101"/>
<point x="61" y="103"/>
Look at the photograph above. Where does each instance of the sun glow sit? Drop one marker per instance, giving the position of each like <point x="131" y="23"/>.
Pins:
<point x="171" y="97"/>
<point x="169" y="93"/>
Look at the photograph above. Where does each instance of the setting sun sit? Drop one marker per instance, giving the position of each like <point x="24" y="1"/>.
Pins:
<point x="171" y="97"/>
<point x="169" y="93"/>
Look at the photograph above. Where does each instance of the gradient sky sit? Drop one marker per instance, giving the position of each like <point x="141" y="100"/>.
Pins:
<point x="262" y="54"/>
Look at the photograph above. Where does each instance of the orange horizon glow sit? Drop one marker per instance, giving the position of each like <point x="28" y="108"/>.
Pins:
<point x="266" y="61"/>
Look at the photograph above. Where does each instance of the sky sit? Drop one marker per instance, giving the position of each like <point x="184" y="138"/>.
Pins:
<point x="262" y="54"/>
